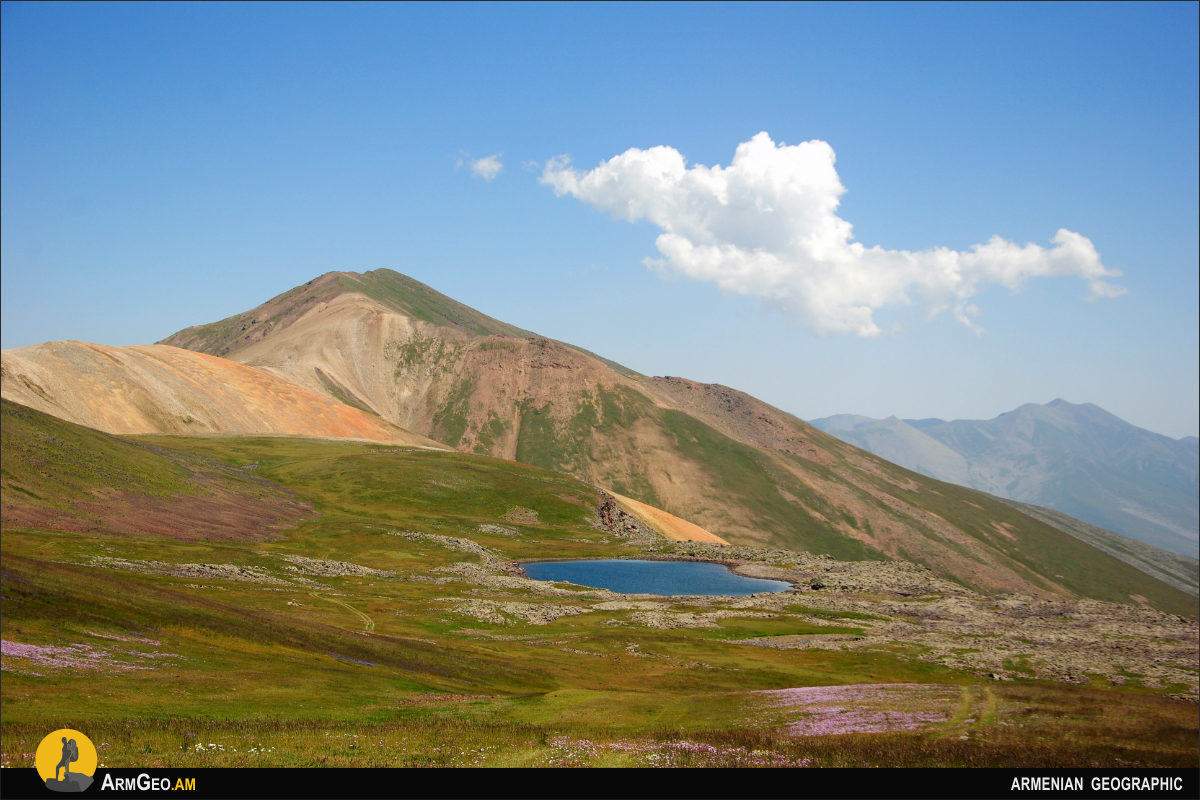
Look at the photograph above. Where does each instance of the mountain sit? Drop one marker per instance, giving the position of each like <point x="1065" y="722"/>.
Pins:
<point x="902" y="443"/>
<point x="747" y="472"/>
<point x="161" y="389"/>
<point x="1077" y="459"/>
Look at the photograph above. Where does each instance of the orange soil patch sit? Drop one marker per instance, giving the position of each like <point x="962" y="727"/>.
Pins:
<point x="163" y="389"/>
<point x="666" y="525"/>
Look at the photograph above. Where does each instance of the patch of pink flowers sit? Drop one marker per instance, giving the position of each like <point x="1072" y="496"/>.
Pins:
<point x="580" y="752"/>
<point x="863" y="708"/>
<point x="74" y="656"/>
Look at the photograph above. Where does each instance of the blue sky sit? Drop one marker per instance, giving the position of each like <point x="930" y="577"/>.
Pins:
<point x="169" y="165"/>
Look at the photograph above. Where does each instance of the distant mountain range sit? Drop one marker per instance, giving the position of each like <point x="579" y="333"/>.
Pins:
<point x="1074" y="458"/>
<point x="379" y="355"/>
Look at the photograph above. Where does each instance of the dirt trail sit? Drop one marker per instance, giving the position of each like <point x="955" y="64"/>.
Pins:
<point x="368" y="623"/>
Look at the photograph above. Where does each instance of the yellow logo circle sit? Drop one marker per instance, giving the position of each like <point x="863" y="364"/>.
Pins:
<point x="64" y="754"/>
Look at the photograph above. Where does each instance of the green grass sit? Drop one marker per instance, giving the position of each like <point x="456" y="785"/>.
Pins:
<point x="484" y="732"/>
<point x="745" y="473"/>
<point x="1042" y="552"/>
<point x="342" y="394"/>
<point x="536" y="441"/>
<point x="450" y="422"/>
<point x="1176" y="570"/>
<point x="421" y="302"/>
<point x="54" y="462"/>
<point x="359" y="670"/>
<point x="823" y="613"/>
<point x="493" y="430"/>
<point x="566" y="440"/>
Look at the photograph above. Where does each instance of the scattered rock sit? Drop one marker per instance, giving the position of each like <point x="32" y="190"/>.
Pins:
<point x="630" y="605"/>
<point x="499" y="530"/>
<point x="518" y="515"/>
<point x="1004" y="637"/>
<point x="810" y="641"/>
<point x="228" y="572"/>
<point x="499" y="612"/>
<point x="332" y="569"/>
<point x="611" y="518"/>
<point x="488" y="576"/>
<point x="487" y="556"/>
<point x="687" y="619"/>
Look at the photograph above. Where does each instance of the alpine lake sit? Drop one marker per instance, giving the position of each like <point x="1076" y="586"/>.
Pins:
<point x="637" y="576"/>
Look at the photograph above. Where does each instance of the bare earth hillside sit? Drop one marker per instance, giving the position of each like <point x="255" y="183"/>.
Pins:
<point x="162" y="389"/>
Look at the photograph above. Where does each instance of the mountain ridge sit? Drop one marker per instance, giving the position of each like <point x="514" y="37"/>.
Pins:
<point x="745" y="471"/>
<point x="1075" y="458"/>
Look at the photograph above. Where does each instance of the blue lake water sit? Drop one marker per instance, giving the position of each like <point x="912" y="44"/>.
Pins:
<point x="632" y="576"/>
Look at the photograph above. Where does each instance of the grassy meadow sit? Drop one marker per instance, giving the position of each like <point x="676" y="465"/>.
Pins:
<point x="388" y="627"/>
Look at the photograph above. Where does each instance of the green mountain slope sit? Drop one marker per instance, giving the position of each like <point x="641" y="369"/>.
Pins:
<point x="61" y="476"/>
<point x="1173" y="569"/>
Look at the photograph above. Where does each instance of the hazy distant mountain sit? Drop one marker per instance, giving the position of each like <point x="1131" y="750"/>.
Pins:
<point x="742" y="469"/>
<point x="1077" y="459"/>
<point x="902" y="443"/>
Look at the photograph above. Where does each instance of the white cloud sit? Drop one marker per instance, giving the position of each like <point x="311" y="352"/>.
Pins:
<point x="767" y="226"/>
<point x="487" y="167"/>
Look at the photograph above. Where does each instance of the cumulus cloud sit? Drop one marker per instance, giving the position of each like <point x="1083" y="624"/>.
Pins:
<point x="767" y="226"/>
<point x="487" y="167"/>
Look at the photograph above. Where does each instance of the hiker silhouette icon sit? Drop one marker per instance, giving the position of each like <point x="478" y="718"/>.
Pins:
<point x="69" y="754"/>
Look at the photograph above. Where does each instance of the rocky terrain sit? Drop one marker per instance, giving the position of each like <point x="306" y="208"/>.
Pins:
<point x="891" y="604"/>
<point x="1003" y="636"/>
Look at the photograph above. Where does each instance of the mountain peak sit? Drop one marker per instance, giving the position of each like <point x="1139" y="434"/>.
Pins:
<point x="389" y="289"/>
<point x="1076" y="458"/>
<point x="421" y="302"/>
